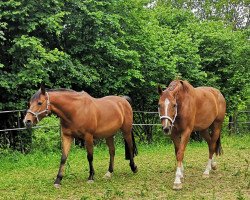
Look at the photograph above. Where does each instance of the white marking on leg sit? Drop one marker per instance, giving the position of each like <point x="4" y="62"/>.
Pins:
<point x="90" y="181"/>
<point x="108" y="175"/>
<point x="214" y="164"/>
<point x="208" y="168"/>
<point x="178" y="176"/>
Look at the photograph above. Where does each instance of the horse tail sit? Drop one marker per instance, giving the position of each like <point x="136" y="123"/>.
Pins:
<point x="135" y="151"/>
<point x="219" y="149"/>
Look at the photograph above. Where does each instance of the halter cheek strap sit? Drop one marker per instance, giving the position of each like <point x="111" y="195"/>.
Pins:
<point x="47" y="111"/>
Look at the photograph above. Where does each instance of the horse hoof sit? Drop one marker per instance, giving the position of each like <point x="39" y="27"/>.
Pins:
<point x="177" y="186"/>
<point x="205" y="176"/>
<point x="108" y="175"/>
<point x="90" y="181"/>
<point x="214" y="166"/>
<point x="57" y="185"/>
<point x="135" y="170"/>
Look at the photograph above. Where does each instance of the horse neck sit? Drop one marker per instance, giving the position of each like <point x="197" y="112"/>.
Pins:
<point x="62" y="104"/>
<point x="184" y="91"/>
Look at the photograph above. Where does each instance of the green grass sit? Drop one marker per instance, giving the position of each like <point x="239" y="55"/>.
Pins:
<point x="31" y="176"/>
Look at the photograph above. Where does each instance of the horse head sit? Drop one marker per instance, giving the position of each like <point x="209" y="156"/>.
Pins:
<point x="38" y="107"/>
<point x="167" y="105"/>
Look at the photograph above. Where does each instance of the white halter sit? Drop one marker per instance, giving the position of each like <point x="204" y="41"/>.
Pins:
<point x="169" y="118"/>
<point x="36" y="114"/>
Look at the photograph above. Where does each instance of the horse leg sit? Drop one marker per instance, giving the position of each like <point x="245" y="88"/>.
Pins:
<point x="89" y="146"/>
<point x="129" y="149"/>
<point x="110" y="143"/>
<point x="185" y="135"/>
<point x="210" y="164"/>
<point x="176" y="138"/>
<point x="215" y="145"/>
<point x="66" y="143"/>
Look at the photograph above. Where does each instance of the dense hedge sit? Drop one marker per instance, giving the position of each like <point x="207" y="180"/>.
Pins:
<point x="120" y="47"/>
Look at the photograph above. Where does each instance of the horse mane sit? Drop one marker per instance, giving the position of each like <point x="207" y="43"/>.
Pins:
<point x="60" y="90"/>
<point x="37" y="94"/>
<point x="187" y="87"/>
<point x="177" y="85"/>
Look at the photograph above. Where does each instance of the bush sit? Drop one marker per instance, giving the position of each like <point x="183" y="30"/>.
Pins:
<point x="47" y="138"/>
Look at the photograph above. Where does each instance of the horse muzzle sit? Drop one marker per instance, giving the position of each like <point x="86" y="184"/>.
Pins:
<point x="167" y="130"/>
<point x="28" y="124"/>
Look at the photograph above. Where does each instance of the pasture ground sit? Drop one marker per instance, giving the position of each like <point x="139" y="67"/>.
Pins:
<point x="31" y="176"/>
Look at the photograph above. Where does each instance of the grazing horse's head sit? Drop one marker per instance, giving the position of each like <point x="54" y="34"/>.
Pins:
<point x="38" y="108"/>
<point x="167" y="107"/>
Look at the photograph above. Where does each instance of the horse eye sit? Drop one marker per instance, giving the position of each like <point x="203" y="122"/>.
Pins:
<point x="39" y="103"/>
<point x="174" y="105"/>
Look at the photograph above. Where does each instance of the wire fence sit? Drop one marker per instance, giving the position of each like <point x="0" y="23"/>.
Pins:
<point x="146" y="125"/>
<point x="20" y="126"/>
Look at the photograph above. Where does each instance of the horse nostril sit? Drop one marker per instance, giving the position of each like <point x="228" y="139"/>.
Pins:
<point x="166" y="129"/>
<point x="28" y="123"/>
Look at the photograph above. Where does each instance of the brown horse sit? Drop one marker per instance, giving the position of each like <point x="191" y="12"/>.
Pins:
<point x="183" y="109"/>
<point x="88" y="118"/>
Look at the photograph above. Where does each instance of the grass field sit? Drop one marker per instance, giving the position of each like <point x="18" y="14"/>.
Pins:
<point x="31" y="176"/>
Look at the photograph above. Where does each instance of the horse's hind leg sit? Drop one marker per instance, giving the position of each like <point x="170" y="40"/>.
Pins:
<point x="66" y="143"/>
<point x="130" y="147"/>
<point x="110" y="143"/>
<point x="212" y="142"/>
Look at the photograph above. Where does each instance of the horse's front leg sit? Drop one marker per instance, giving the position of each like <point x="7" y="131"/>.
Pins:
<point x="89" y="146"/>
<point x="176" y="138"/>
<point x="66" y="143"/>
<point x="185" y="135"/>
<point x="110" y="143"/>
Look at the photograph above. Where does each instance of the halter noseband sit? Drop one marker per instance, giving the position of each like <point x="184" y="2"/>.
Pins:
<point x="169" y="118"/>
<point x="36" y="114"/>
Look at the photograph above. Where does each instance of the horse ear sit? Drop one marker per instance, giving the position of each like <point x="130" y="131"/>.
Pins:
<point x="159" y="90"/>
<point x="43" y="88"/>
<point x="184" y="85"/>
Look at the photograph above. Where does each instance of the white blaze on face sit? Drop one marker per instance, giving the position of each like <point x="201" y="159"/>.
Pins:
<point x="166" y="110"/>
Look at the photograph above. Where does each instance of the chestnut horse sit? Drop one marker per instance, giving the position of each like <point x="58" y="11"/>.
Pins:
<point x="88" y="118"/>
<point x="184" y="109"/>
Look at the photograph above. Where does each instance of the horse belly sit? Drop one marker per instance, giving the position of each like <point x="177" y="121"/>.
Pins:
<point x="108" y="124"/>
<point x="206" y="113"/>
<point x="202" y="123"/>
<point x="107" y="129"/>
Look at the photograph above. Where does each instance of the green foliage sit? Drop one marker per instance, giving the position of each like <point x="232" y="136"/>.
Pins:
<point x="47" y="139"/>
<point x="123" y="48"/>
